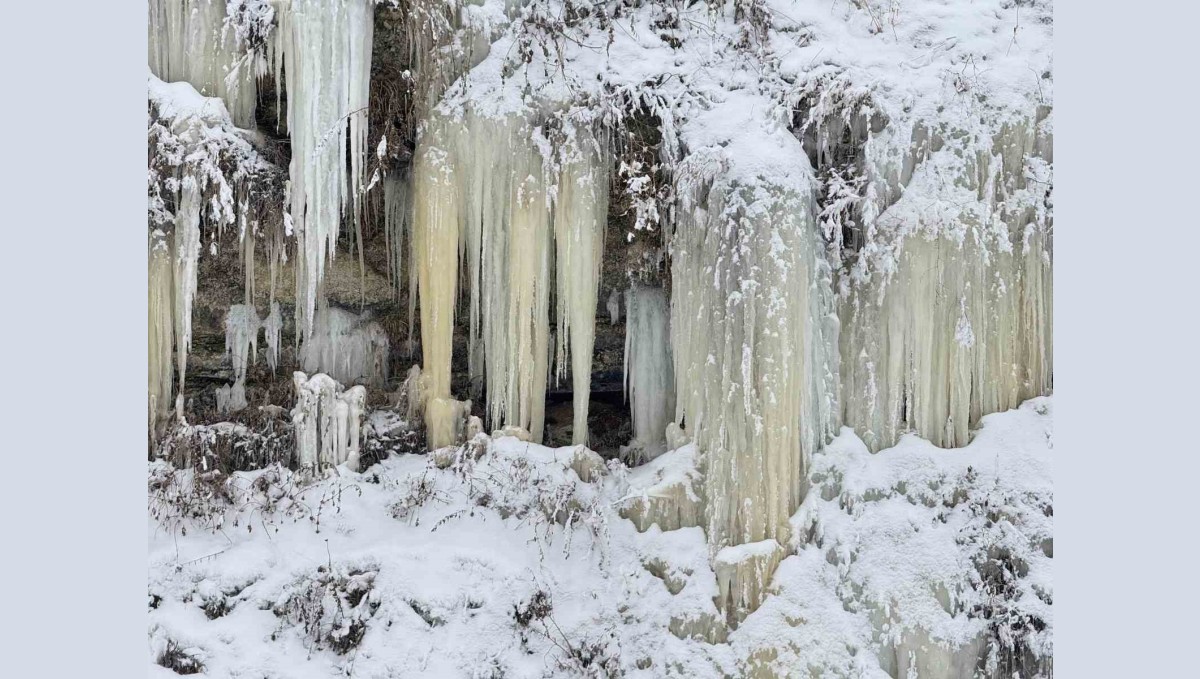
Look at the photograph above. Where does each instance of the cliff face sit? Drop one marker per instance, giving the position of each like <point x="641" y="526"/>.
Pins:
<point x="445" y="213"/>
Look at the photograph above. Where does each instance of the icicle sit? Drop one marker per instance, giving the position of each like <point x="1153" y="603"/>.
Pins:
<point x="273" y="330"/>
<point x="754" y="343"/>
<point x="348" y="347"/>
<point x="397" y="216"/>
<point x="186" y="260"/>
<point x="614" y="307"/>
<point x="189" y="41"/>
<point x="581" y="212"/>
<point x="324" y="49"/>
<point x="648" y="377"/>
<point x="241" y="345"/>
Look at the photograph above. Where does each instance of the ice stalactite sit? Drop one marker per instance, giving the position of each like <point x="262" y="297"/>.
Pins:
<point x="614" y="307"/>
<point x="324" y="51"/>
<point x="328" y="422"/>
<point x="273" y="332"/>
<point x="509" y="221"/>
<point x="190" y="41"/>
<point x="649" y="379"/>
<point x="241" y="345"/>
<point x="161" y="330"/>
<point x="948" y="317"/>
<point x="348" y="347"/>
<point x="186" y="260"/>
<point x="494" y="185"/>
<point x="397" y="221"/>
<point x="754" y="343"/>
<point x="581" y="213"/>
<point x="241" y="337"/>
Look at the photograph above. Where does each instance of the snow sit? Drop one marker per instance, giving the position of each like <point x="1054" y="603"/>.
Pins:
<point x="452" y="552"/>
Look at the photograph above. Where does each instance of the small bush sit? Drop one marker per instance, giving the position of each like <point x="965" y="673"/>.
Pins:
<point x="331" y="608"/>
<point x="179" y="660"/>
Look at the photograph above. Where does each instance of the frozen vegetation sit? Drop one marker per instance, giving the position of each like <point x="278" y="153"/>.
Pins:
<point x="825" y="230"/>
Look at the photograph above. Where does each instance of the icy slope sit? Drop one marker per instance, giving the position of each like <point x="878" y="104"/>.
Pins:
<point x="499" y="559"/>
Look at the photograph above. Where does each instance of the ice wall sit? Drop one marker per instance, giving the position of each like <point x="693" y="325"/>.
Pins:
<point x="948" y="314"/>
<point x="649" y="378"/>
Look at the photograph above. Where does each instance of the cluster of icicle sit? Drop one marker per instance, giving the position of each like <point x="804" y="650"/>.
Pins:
<point x="485" y="187"/>
<point x="322" y="55"/>
<point x="350" y="348"/>
<point x="755" y="345"/>
<point x="328" y="422"/>
<point x="195" y="140"/>
<point x="948" y="316"/>
<point x="242" y="325"/>
<point x="191" y="41"/>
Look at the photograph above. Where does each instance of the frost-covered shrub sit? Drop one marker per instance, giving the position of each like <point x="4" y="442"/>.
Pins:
<point x="331" y="608"/>
<point x="1004" y="531"/>
<point x="230" y="446"/>
<point x="182" y="499"/>
<point x="169" y="653"/>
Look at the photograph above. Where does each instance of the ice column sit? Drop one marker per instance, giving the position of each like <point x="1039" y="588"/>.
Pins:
<point x="581" y="212"/>
<point x="754" y="344"/>
<point x="649" y="379"/>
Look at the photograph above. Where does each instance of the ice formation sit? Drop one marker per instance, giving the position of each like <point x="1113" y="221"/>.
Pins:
<point x="190" y="41"/>
<point x="754" y="345"/>
<point x="667" y="492"/>
<point x="949" y="318"/>
<point x="273" y="332"/>
<point x="488" y="181"/>
<point x="743" y="573"/>
<point x="580" y="215"/>
<point x="323" y="49"/>
<point x="161" y="331"/>
<point x="649" y="380"/>
<point x="436" y="227"/>
<point x="350" y="348"/>
<point x="241" y="337"/>
<point x="328" y="422"/>
<point x="202" y="163"/>
<point x="241" y="345"/>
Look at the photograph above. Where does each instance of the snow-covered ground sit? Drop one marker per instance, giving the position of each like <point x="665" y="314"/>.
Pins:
<point x="509" y="559"/>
